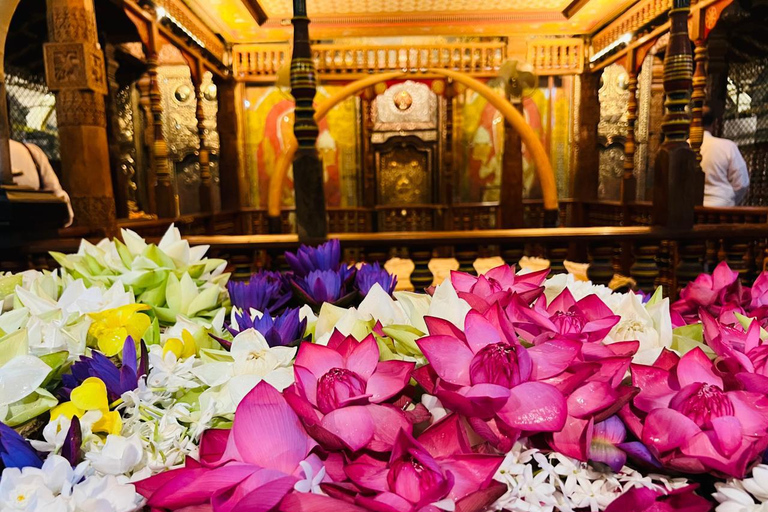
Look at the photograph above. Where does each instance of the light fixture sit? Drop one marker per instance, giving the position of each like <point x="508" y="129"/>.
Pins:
<point x="161" y="13"/>
<point x="624" y="39"/>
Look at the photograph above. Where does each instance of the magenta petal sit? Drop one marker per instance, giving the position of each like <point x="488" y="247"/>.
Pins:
<point x="695" y="366"/>
<point x="575" y="438"/>
<point x="461" y="281"/>
<point x="751" y="409"/>
<point x="213" y="443"/>
<point x="318" y="359"/>
<point x="667" y="429"/>
<point x="728" y="435"/>
<point x="635" y="500"/>
<point x="306" y="383"/>
<point x="364" y="357"/>
<point x="265" y="415"/>
<point x="441" y="327"/>
<point x="450" y="357"/>
<point x="701" y="447"/>
<point x="353" y="425"/>
<point x="480" y="400"/>
<point x="479" y="332"/>
<point x="196" y="486"/>
<point x="260" y="492"/>
<point x="388" y="421"/>
<point x="368" y="476"/>
<point x="385" y="502"/>
<point x="302" y="502"/>
<point x="590" y="398"/>
<point x="389" y="379"/>
<point x="552" y="357"/>
<point x="446" y="437"/>
<point x="471" y="472"/>
<point x="534" y="407"/>
<point x="480" y="500"/>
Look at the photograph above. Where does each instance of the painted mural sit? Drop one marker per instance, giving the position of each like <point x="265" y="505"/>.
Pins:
<point x="269" y="124"/>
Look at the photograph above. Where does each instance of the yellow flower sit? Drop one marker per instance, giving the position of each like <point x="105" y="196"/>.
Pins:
<point x="183" y="348"/>
<point x="110" y="328"/>
<point x="91" y="395"/>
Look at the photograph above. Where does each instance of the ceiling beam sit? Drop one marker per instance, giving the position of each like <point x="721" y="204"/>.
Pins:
<point x="256" y="10"/>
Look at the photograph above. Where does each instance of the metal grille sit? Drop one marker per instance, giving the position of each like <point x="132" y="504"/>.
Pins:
<point x="32" y="112"/>
<point x="746" y="122"/>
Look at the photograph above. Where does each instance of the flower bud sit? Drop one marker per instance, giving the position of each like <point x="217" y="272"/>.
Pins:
<point x="496" y="364"/>
<point x="705" y="403"/>
<point x="336" y="387"/>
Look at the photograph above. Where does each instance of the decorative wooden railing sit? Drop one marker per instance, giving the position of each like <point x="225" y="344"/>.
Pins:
<point x="556" y="56"/>
<point x="636" y="17"/>
<point x="260" y="62"/>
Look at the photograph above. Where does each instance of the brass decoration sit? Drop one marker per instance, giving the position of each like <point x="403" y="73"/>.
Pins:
<point x="182" y="93"/>
<point x="611" y="171"/>
<point x="645" y="79"/>
<point x="613" y="102"/>
<point x="75" y="66"/>
<point x="211" y="109"/>
<point x="403" y="100"/>
<point x="179" y="120"/>
<point x="404" y="176"/>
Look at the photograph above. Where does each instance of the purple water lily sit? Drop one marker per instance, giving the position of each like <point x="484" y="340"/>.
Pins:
<point x="369" y="274"/>
<point x="15" y="451"/>
<point x="118" y="380"/>
<point x="326" y="256"/>
<point x="280" y="330"/>
<point x="264" y="291"/>
<point x="323" y="286"/>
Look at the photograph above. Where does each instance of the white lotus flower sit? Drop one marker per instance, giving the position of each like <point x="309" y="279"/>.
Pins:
<point x="555" y="285"/>
<point x="447" y="305"/>
<point x="20" y="377"/>
<point x="252" y="360"/>
<point x="650" y="324"/>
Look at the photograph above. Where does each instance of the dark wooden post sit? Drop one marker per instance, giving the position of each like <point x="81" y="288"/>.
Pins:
<point x="674" y="173"/>
<point x="311" y="220"/>
<point x="629" y="182"/>
<point x="207" y="188"/>
<point x="511" y="197"/>
<point x="166" y="201"/>
<point x="587" y="157"/>
<point x="697" y="98"/>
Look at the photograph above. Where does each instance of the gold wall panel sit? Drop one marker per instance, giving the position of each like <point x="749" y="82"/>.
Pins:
<point x="404" y="176"/>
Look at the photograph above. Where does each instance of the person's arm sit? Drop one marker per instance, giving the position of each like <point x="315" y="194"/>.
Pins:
<point x="738" y="175"/>
<point x="50" y="181"/>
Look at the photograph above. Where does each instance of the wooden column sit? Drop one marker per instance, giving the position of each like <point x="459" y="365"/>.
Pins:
<point x="311" y="221"/>
<point x="368" y="176"/>
<point x="233" y="184"/>
<point x="6" y="176"/>
<point x="587" y="157"/>
<point x="511" y="197"/>
<point x="75" y="72"/>
<point x="698" y="97"/>
<point x="207" y="189"/>
<point x="674" y="173"/>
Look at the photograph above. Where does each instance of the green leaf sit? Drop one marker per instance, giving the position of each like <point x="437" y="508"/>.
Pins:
<point x="153" y="253"/>
<point x="9" y="283"/>
<point x="204" y="301"/>
<point x="657" y="297"/>
<point x="62" y="259"/>
<point x="125" y="254"/>
<point x="155" y="297"/>
<point x="693" y="331"/>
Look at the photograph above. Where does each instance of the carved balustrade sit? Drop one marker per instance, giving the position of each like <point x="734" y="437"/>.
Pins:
<point x="261" y="62"/>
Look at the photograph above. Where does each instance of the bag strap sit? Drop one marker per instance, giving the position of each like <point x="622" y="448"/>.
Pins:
<point x="37" y="166"/>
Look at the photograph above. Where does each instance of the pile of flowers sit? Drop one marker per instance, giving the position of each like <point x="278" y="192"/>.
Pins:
<point x="137" y="376"/>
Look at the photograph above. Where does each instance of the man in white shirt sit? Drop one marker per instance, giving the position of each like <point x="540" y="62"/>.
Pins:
<point x="32" y="169"/>
<point x="727" y="180"/>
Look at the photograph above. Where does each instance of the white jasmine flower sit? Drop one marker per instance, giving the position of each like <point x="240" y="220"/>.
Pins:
<point x="54" y="435"/>
<point x="119" y="455"/>
<point x="310" y="484"/>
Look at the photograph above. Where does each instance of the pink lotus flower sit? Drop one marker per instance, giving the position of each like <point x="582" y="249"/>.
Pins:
<point x="692" y="420"/>
<point x="644" y="499"/>
<point x="741" y="354"/>
<point x="712" y="293"/>
<point x="589" y="319"/>
<point x="340" y="392"/>
<point x="251" y="467"/>
<point x="438" y="469"/>
<point x="485" y="374"/>
<point x="497" y="286"/>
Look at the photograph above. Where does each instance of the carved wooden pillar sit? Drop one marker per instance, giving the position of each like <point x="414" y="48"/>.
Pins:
<point x="233" y="185"/>
<point x="368" y="185"/>
<point x="75" y="72"/>
<point x="311" y="221"/>
<point x="207" y="188"/>
<point x="697" y="99"/>
<point x="511" y="200"/>
<point x="587" y="158"/>
<point x="147" y="140"/>
<point x="674" y="173"/>
<point x="447" y="178"/>
<point x="6" y="176"/>
<point x="166" y="201"/>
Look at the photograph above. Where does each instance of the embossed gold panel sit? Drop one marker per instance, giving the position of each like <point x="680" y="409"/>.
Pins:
<point x="404" y="175"/>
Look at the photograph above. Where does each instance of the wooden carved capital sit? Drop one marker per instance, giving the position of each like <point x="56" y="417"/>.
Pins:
<point x="77" y="66"/>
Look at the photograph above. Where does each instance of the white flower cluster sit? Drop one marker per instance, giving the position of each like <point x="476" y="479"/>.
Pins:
<point x="539" y="482"/>
<point x="56" y="487"/>
<point x="748" y="495"/>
